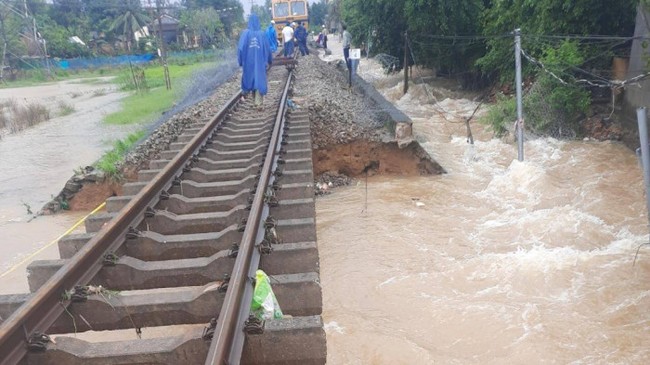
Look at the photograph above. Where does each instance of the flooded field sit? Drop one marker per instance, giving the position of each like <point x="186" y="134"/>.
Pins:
<point x="36" y="163"/>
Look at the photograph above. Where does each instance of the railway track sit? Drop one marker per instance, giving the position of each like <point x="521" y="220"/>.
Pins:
<point x="177" y="255"/>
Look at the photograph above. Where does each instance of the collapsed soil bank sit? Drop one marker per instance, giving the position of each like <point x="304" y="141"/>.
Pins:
<point x="359" y="157"/>
<point x="351" y="129"/>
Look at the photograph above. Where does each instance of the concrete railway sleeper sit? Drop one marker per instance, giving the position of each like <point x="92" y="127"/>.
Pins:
<point x="177" y="253"/>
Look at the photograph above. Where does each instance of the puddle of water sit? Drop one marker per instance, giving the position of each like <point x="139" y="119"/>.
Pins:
<point x="496" y="262"/>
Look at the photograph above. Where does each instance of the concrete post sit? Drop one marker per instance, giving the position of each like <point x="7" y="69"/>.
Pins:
<point x="520" y="117"/>
<point x="642" y="118"/>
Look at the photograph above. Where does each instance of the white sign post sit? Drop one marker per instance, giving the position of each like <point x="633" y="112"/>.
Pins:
<point x="355" y="56"/>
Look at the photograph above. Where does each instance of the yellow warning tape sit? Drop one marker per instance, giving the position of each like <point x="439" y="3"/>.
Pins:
<point x="28" y="258"/>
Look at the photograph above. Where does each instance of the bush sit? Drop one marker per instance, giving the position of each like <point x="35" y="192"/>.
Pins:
<point x="551" y="107"/>
<point x="501" y="115"/>
<point x="30" y="115"/>
<point x="65" y="108"/>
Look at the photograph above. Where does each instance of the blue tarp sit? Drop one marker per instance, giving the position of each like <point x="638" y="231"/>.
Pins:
<point x="84" y="63"/>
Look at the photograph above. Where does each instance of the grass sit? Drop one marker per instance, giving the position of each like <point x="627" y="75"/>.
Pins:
<point x="148" y="105"/>
<point x="65" y="108"/>
<point x="155" y="75"/>
<point x="109" y="162"/>
<point x="144" y="107"/>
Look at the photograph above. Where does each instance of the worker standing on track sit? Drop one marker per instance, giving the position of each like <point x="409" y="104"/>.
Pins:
<point x="287" y="40"/>
<point x="255" y="57"/>
<point x="301" y="37"/>
<point x="272" y="36"/>
<point x="347" y="42"/>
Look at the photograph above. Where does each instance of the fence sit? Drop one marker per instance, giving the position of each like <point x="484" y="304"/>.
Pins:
<point x="75" y="64"/>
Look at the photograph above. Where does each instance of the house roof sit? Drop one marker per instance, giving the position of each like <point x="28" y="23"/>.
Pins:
<point x="168" y="19"/>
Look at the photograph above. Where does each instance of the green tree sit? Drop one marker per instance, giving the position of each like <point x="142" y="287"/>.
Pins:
<point x="231" y="12"/>
<point x="549" y="17"/>
<point x="317" y="13"/>
<point x="206" y="24"/>
<point x="383" y="22"/>
<point x="101" y="14"/>
<point x="11" y="25"/>
<point x="70" y="14"/>
<point x="368" y="18"/>
<point x="58" y="40"/>
<point x="131" y="20"/>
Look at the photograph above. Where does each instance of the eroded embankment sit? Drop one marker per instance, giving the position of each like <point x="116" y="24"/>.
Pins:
<point x="361" y="156"/>
<point x="349" y="129"/>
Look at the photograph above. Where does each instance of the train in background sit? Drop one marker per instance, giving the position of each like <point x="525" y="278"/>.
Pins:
<point x="283" y="11"/>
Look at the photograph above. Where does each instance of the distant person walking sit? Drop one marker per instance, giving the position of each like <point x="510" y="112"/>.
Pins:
<point x="287" y="40"/>
<point x="347" y="42"/>
<point x="272" y="36"/>
<point x="301" y="37"/>
<point x="255" y="57"/>
<point x="325" y="32"/>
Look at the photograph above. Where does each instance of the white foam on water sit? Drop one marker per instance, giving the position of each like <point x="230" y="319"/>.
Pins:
<point x="333" y="327"/>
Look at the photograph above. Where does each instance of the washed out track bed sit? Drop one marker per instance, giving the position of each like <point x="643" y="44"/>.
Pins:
<point x="165" y="275"/>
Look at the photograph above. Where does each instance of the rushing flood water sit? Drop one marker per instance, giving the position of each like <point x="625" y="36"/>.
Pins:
<point x="504" y="263"/>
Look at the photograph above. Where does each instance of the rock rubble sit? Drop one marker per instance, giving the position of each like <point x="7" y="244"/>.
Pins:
<point x="167" y="133"/>
<point x="338" y="115"/>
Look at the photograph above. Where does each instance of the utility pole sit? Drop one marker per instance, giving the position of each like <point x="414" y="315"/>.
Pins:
<point x="163" y="50"/>
<point x="406" y="60"/>
<point x="42" y="49"/>
<point x="642" y="119"/>
<point x="520" y="118"/>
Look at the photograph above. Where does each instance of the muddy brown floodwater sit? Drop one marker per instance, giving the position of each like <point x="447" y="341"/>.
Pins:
<point x="495" y="262"/>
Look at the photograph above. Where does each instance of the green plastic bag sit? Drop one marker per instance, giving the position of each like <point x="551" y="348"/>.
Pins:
<point x="265" y="305"/>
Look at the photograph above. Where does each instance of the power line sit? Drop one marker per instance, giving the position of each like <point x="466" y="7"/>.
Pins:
<point x="616" y="84"/>
<point x="594" y="37"/>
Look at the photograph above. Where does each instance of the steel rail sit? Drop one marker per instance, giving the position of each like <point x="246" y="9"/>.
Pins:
<point x="40" y="311"/>
<point x="228" y="341"/>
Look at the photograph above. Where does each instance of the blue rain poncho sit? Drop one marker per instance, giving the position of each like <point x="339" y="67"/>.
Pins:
<point x="253" y="54"/>
<point x="301" y="34"/>
<point x="273" y="37"/>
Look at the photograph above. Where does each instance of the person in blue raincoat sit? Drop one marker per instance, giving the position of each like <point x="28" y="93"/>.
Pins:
<point x="255" y="57"/>
<point x="272" y="36"/>
<point x="301" y="37"/>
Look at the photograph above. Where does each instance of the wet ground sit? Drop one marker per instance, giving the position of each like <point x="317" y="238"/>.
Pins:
<point x="495" y="262"/>
<point x="38" y="161"/>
